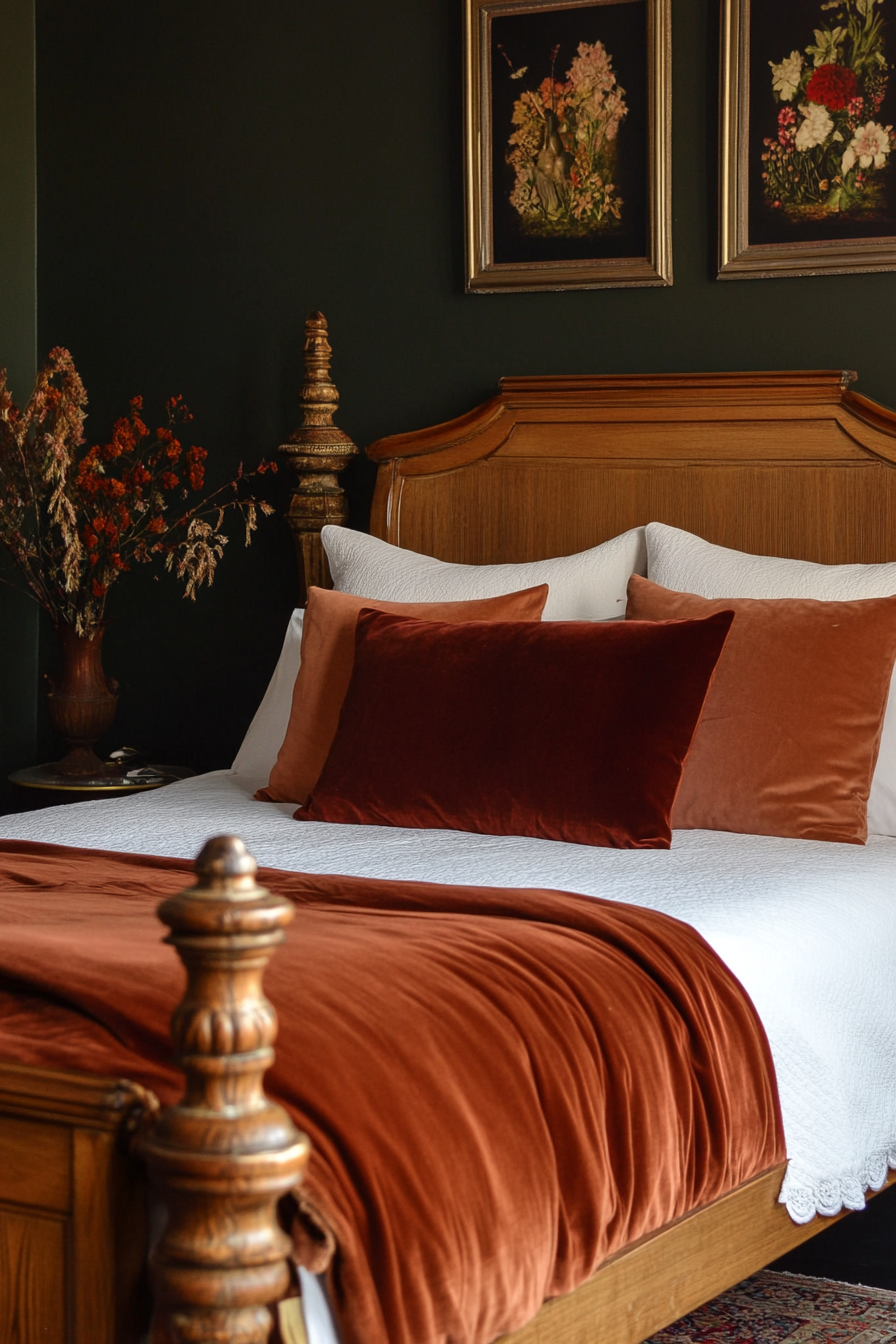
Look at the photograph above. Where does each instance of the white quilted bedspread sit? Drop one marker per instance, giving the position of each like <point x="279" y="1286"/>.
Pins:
<point x="808" y="928"/>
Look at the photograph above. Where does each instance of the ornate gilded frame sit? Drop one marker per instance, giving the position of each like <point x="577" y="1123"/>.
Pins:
<point x="486" y="276"/>
<point x="738" y="258"/>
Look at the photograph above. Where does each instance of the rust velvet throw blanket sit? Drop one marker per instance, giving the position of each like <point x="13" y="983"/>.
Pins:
<point x="503" y="1087"/>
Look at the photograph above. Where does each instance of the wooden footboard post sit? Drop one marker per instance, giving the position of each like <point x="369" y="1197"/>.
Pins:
<point x="223" y="1156"/>
<point x="317" y="452"/>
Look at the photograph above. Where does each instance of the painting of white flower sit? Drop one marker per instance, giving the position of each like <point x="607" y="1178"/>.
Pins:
<point x="828" y="46"/>
<point x="870" y="146"/>
<point x="815" y="129"/>
<point x="786" y="76"/>
<point x="828" y="154"/>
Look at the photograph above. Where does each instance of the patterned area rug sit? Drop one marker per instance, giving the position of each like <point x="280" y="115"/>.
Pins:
<point x="770" y="1308"/>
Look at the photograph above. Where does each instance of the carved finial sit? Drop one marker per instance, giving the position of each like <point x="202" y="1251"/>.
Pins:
<point x="318" y="395"/>
<point x="317" y="451"/>
<point x="224" y="1155"/>
<point x="224" y="861"/>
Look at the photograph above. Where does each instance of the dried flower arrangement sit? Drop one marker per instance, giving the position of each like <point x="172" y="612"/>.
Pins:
<point x="74" y="521"/>
<point x="75" y="518"/>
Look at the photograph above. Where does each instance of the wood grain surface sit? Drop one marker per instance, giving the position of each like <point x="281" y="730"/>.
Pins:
<point x="33" y="1278"/>
<point x="72" y="1209"/>
<point x="790" y="464"/>
<point x="663" y="1277"/>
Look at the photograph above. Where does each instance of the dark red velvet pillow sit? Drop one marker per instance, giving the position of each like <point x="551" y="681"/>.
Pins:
<point x="567" y="730"/>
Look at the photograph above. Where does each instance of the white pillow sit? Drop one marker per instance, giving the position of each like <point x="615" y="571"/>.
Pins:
<point x="688" y="564"/>
<point x="589" y="586"/>
<point x="267" y="730"/>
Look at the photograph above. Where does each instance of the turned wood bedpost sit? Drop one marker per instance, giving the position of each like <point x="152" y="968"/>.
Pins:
<point x="317" y="452"/>
<point x="223" y="1156"/>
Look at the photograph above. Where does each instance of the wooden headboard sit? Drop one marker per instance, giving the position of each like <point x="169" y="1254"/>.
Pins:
<point x="791" y="464"/>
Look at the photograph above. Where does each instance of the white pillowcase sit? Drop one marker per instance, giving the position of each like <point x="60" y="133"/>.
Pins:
<point x="589" y="586"/>
<point x="688" y="564"/>
<point x="676" y="558"/>
<point x="267" y="730"/>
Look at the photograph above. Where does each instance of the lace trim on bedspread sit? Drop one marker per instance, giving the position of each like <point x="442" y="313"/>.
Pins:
<point x="804" y="1198"/>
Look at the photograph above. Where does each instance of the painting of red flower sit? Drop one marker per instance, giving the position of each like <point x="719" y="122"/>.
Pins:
<point x="833" y="85"/>
<point x="808" y="145"/>
<point x="830" y="161"/>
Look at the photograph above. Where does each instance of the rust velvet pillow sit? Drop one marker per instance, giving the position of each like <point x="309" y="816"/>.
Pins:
<point x="328" y="653"/>
<point x="567" y="730"/>
<point x="790" y="731"/>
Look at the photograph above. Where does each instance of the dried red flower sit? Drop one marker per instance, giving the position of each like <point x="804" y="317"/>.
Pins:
<point x="98" y="506"/>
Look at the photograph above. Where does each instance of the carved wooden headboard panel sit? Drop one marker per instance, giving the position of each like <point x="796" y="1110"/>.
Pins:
<point x="791" y="464"/>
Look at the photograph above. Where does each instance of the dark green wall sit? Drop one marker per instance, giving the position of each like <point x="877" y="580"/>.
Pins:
<point x="209" y="172"/>
<point x="18" y="338"/>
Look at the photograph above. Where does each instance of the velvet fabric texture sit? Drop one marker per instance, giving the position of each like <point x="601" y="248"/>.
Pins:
<point x="568" y="730"/>
<point x="791" y="727"/>
<point x="328" y="655"/>
<point x="502" y="1088"/>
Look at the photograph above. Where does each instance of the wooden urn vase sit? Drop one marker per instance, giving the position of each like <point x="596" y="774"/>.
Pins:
<point x="81" y="701"/>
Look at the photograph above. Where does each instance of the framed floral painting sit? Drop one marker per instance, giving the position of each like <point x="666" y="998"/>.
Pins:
<point x="808" y="150"/>
<point x="567" y="144"/>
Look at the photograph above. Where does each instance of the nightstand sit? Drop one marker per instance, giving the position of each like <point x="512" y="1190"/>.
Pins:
<point x="42" y="786"/>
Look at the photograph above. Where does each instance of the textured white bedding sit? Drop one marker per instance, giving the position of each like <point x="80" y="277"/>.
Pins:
<point x="808" y="928"/>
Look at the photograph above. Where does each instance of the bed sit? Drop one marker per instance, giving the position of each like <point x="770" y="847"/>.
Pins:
<point x="781" y="464"/>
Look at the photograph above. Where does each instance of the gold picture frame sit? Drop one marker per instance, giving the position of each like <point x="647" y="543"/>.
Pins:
<point x="573" y="226"/>
<point x="765" y="105"/>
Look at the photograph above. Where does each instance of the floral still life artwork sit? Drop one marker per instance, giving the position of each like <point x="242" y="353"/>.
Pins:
<point x="832" y="147"/>
<point x="570" y="103"/>
<point x="569" y="131"/>
<point x="563" y="150"/>
<point x="808" y="147"/>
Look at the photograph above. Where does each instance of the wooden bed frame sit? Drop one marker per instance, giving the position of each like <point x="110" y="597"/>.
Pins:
<point x="790" y="464"/>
